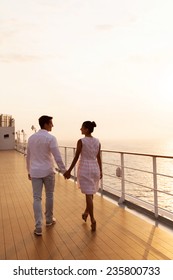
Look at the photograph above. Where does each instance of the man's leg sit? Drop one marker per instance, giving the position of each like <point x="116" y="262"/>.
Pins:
<point x="49" y="183"/>
<point x="37" y="186"/>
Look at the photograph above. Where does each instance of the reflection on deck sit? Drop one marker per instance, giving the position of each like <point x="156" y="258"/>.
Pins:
<point x="120" y="234"/>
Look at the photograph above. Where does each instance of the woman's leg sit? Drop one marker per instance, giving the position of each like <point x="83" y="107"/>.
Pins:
<point x="86" y="209"/>
<point x="85" y="213"/>
<point x="90" y="206"/>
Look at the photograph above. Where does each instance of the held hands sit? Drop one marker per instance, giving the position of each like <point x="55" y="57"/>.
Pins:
<point x="67" y="175"/>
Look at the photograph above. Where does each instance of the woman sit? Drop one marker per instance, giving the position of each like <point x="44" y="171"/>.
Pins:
<point x="89" y="168"/>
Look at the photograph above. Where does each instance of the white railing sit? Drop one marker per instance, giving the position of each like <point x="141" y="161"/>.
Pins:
<point x="145" y="180"/>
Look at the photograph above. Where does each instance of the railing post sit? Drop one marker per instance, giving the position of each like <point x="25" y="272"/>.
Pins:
<point x="122" y="198"/>
<point x="65" y="157"/>
<point x="101" y="182"/>
<point x="155" y="187"/>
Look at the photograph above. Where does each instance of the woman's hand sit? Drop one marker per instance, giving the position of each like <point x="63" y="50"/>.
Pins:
<point x="67" y="175"/>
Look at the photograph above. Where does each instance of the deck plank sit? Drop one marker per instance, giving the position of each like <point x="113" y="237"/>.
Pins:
<point x="120" y="234"/>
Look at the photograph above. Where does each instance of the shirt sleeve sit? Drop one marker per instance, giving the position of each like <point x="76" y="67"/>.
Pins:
<point x="28" y="160"/>
<point x="57" y="156"/>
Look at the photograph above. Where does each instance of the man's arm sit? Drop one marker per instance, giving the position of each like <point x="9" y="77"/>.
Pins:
<point x="57" y="156"/>
<point x="28" y="162"/>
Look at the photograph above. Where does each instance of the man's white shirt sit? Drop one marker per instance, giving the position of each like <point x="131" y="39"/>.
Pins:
<point x="42" y="147"/>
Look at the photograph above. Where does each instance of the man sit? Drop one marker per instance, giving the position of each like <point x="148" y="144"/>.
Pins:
<point x="41" y="148"/>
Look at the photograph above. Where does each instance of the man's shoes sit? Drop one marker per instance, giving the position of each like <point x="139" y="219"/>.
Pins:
<point x="38" y="231"/>
<point x="51" y="223"/>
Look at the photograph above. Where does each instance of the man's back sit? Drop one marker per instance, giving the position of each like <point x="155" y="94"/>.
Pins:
<point x="39" y="153"/>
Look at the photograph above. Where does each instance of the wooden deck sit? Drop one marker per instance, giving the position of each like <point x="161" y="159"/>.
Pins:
<point x="120" y="234"/>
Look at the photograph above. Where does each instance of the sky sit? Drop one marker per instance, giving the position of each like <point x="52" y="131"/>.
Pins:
<point x="107" y="61"/>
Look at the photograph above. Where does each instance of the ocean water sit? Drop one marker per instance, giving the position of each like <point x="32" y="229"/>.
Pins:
<point x="159" y="147"/>
<point x="138" y="169"/>
<point x="149" y="146"/>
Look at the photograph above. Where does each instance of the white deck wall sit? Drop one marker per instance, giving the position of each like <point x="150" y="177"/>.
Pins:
<point x="7" y="138"/>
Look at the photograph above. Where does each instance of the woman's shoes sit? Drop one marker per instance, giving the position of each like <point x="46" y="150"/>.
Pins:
<point x="93" y="226"/>
<point x="84" y="216"/>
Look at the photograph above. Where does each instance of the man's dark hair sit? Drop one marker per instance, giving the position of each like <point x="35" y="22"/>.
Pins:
<point x="44" y="120"/>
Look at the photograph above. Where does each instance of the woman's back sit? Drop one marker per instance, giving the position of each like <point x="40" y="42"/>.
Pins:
<point x="90" y="148"/>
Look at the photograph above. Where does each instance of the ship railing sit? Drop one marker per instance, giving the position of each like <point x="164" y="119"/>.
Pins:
<point x="141" y="181"/>
<point x="20" y="147"/>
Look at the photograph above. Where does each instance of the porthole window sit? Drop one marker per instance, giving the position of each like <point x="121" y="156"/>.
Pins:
<point x="6" y="135"/>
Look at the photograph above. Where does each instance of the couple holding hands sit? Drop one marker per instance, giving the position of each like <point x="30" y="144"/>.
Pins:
<point x="40" y="148"/>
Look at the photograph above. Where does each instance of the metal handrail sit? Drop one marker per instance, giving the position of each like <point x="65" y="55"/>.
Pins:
<point x="125" y="195"/>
